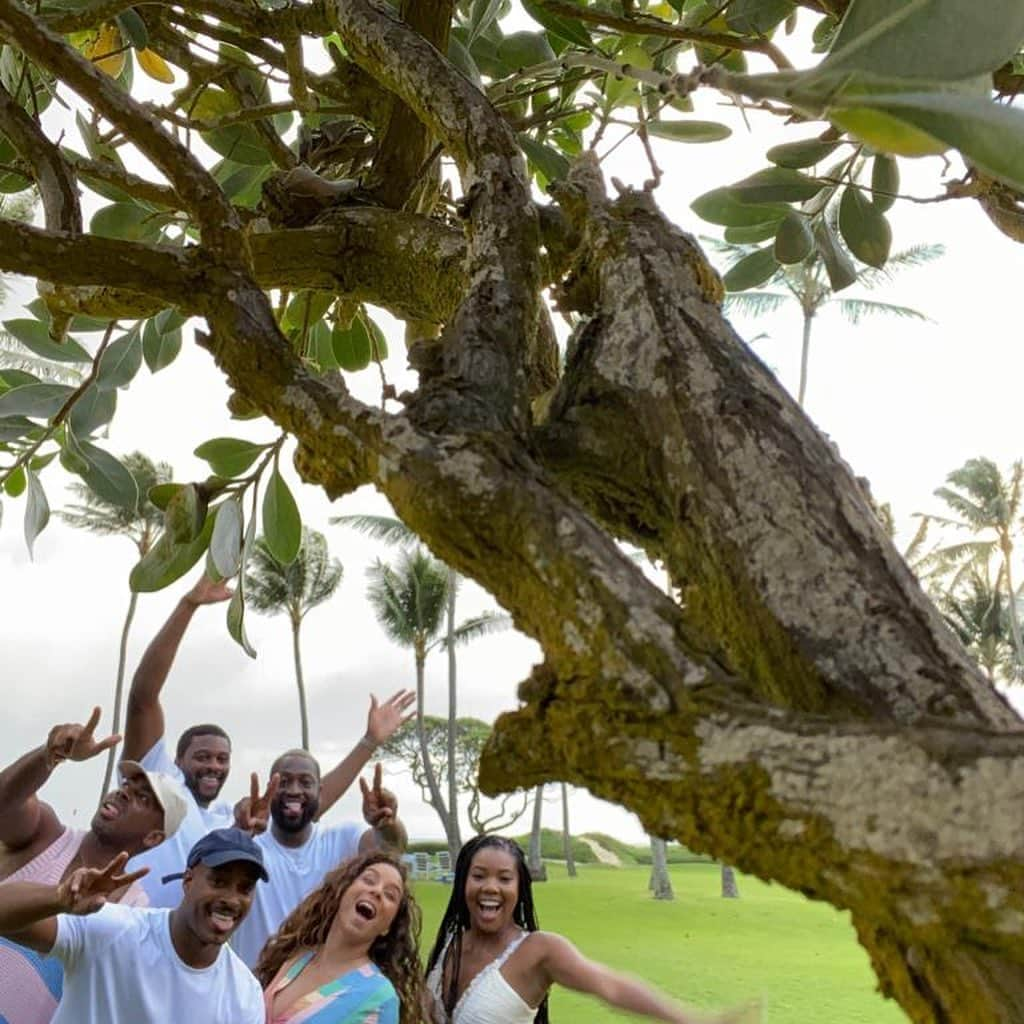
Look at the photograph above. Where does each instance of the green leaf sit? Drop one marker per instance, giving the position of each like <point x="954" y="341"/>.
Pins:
<point x="185" y="514"/>
<point x="794" y="241"/>
<point x="757" y="17"/>
<point x="548" y="161"/>
<point x="351" y="345"/>
<point x="230" y="456"/>
<point x="753" y="233"/>
<point x="236" y="622"/>
<point x="482" y="15"/>
<point x="13" y="428"/>
<point x="463" y="59"/>
<point x="689" y="131"/>
<point x="775" y="185"/>
<point x="939" y="40"/>
<point x="120" y="361"/>
<point x="37" y="401"/>
<point x="133" y="28"/>
<point x="838" y="265"/>
<point x="35" y="336"/>
<point x="92" y="410"/>
<point x="282" y="525"/>
<point x="805" y="153"/>
<point x="524" y="49"/>
<point x="37" y="510"/>
<point x="565" y="28"/>
<point x="226" y="540"/>
<point x="864" y="227"/>
<point x="160" y="494"/>
<point x="167" y="561"/>
<point x="159" y="348"/>
<point x="751" y="270"/>
<point x="378" y="343"/>
<point x="306" y="308"/>
<point x="885" y="181"/>
<point x="128" y="221"/>
<point x="720" y="206"/>
<point x="14" y="485"/>
<point x="104" y="474"/>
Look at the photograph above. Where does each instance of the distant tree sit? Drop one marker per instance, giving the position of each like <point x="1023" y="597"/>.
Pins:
<point x="660" y="884"/>
<point x="410" y="600"/>
<point x="470" y="735"/>
<point x="808" y="285"/>
<point x="140" y="523"/>
<point x="534" y="860"/>
<point x="294" y="589"/>
<point x="730" y="890"/>
<point x="570" y="861"/>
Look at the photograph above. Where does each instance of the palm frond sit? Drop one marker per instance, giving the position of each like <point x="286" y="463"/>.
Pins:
<point x="385" y="528"/>
<point x="410" y="597"/>
<point x="14" y="356"/>
<point x="307" y="581"/>
<point x="755" y="303"/>
<point x="478" y="626"/>
<point x="856" y="310"/>
<point x="915" y="256"/>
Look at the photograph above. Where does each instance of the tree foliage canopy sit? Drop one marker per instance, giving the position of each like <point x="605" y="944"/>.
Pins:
<point x="805" y="714"/>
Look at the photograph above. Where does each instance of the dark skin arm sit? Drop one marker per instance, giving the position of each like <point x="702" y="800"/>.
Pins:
<point x="28" y="912"/>
<point x="144" y="719"/>
<point x="380" y="812"/>
<point x="25" y="820"/>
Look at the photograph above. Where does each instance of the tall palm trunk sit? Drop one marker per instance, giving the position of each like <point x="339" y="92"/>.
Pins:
<point x="660" y="884"/>
<point x="421" y="735"/>
<point x="115" y="725"/>
<point x="1018" y="647"/>
<point x="534" y="861"/>
<point x="299" y="682"/>
<point x="454" y="833"/>
<point x="570" y="861"/>
<point x="730" y="890"/>
<point x="805" y="353"/>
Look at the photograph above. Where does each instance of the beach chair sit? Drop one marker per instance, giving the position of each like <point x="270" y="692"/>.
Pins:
<point x="421" y="865"/>
<point x="443" y="867"/>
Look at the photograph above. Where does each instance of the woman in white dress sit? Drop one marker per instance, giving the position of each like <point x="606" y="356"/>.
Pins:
<point x="491" y="965"/>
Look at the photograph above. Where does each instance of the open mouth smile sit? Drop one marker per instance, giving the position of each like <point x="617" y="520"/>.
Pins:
<point x="366" y="910"/>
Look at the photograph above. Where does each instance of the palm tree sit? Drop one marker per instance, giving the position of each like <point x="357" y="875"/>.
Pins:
<point x="534" y="859"/>
<point x="140" y="524"/>
<point x="808" y="285"/>
<point x="410" y="600"/>
<point x="987" y="504"/>
<point x="395" y="532"/>
<point x="295" y="588"/>
<point x="978" y="612"/>
<point x="570" y="861"/>
<point x="660" y="884"/>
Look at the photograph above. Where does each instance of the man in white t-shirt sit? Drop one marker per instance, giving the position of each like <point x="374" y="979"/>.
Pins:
<point x="298" y="850"/>
<point x="126" y="965"/>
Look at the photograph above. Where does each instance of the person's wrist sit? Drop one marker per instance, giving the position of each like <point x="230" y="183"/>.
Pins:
<point x="367" y="742"/>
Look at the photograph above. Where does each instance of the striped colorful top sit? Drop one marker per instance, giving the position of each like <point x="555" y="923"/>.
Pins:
<point x="31" y="984"/>
<point x="362" y="996"/>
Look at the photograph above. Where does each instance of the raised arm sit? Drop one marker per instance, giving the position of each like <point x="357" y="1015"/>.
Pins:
<point x="28" y="911"/>
<point x="380" y="811"/>
<point x="144" y="719"/>
<point x="561" y="963"/>
<point x="382" y="722"/>
<point x="24" y="818"/>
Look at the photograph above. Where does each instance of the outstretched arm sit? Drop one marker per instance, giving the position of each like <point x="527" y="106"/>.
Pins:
<point x="144" y="719"/>
<point x="28" y="911"/>
<point x="382" y="722"/>
<point x="563" y="964"/>
<point x="24" y="818"/>
<point x="380" y="811"/>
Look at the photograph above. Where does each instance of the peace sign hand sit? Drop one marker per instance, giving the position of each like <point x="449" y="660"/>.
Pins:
<point x="85" y="890"/>
<point x="380" y="806"/>
<point x="384" y="720"/>
<point x="252" y="813"/>
<point x="73" y="742"/>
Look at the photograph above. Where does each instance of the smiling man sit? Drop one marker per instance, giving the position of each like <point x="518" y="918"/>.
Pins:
<point x="125" y="965"/>
<point x="202" y="757"/>
<point x="298" y="850"/>
<point x="36" y="847"/>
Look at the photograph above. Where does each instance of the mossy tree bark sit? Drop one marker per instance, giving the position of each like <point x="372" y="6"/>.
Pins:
<point x="804" y="715"/>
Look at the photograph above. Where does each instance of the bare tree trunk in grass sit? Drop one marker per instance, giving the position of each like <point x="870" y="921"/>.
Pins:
<point x="730" y="890"/>
<point x="660" y="884"/>
<point x="534" y="860"/>
<point x="570" y="861"/>
<point x="115" y="724"/>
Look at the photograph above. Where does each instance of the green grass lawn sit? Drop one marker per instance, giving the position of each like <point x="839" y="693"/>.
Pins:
<point x="802" y="957"/>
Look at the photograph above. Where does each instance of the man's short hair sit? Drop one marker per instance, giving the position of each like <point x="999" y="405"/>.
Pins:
<point x="199" y="730"/>
<point x="297" y="752"/>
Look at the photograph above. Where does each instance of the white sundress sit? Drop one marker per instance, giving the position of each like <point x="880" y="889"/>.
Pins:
<point x="489" y="998"/>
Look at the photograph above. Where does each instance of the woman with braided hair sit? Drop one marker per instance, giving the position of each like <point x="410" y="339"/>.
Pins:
<point x="491" y="965"/>
<point x="348" y="953"/>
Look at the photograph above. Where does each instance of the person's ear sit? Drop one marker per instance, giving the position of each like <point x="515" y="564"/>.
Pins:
<point x="153" y="838"/>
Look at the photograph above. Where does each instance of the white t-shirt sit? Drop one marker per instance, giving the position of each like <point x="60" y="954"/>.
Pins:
<point x="120" y="965"/>
<point x="170" y="856"/>
<point x="294" y="873"/>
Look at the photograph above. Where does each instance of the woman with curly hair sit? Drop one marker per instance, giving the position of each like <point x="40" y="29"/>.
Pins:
<point x="491" y="965"/>
<point x="348" y="953"/>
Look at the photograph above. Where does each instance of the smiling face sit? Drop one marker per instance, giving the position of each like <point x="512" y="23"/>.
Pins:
<point x="217" y="899"/>
<point x="369" y="905"/>
<point x="130" y="817"/>
<point x="492" y="889"/>
<point x="298" y="793"/>
<point x="205" y="763"/>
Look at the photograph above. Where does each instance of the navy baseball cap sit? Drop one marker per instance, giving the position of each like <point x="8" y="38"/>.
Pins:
<point x="224" y="846"/>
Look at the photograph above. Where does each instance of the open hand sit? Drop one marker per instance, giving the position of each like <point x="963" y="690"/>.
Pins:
<point x="85" y="890"/>
<point x="380" y="806"/>
<point x="206" y="591"/>
<point x="73" y="742"/>
<point x="252" y="813"/>
<point x="384" y="720"/>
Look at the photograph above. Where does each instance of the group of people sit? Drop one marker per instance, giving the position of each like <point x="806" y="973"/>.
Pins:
<point x="175" y="905"/>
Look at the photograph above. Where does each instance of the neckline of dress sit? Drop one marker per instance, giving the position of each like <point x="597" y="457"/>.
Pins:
<point x="495" y="964"/>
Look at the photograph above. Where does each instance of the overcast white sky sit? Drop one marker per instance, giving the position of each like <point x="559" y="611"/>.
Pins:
<point x="905" y="402"/>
